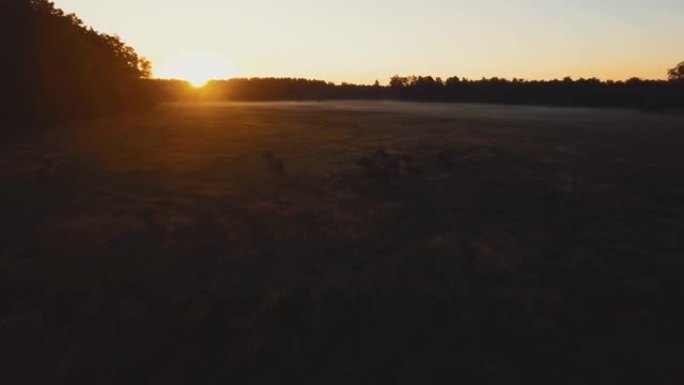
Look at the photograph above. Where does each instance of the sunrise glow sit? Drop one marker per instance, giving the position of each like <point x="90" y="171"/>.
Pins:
<point x="197" y="67"/>
<point x="360" y="41"/>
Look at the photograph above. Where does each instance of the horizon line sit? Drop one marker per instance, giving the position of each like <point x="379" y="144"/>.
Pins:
<point x="386" y="82"/>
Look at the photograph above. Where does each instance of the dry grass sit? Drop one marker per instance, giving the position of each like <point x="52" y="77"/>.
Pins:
<point x="163" y="247"/>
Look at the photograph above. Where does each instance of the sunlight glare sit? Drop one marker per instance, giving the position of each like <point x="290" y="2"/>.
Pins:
<point x="197" y="67"/>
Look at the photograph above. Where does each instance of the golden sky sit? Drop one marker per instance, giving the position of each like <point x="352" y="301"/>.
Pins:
<point x="364" y="40"/>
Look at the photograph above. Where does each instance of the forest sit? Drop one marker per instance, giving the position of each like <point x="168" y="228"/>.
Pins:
<point x="60" y="69"/>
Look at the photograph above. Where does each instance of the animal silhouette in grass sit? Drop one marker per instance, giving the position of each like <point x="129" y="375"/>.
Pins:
<point x="275" y="165"/>
<point x="48" y="166"/>
<point x="448" y="159"/>
<point x="385" y="165"/>
<point x="563" y="186"/>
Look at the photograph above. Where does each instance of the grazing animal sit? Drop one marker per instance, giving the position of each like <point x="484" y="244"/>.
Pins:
<point x="404" y="161"/>
<point x="564" y="185"/>
<point x="48" y="165"/>
<point x="275" y="165"/>
<point x="369" y="167"/>
<point x="385" y="165"/>
<point x="448" y="159"/>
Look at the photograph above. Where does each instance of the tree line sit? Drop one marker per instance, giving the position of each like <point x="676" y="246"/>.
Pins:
<point x="565" y="92"/>
<point x="634" y="93"/>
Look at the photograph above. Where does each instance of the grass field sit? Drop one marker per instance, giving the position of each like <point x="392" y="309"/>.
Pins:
<point x="162" y="247"/>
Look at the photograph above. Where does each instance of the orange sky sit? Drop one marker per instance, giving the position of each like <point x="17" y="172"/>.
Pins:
<point x="360" y="41"/>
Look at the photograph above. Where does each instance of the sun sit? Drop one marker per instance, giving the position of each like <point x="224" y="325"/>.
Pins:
<point x="197" y="67"/>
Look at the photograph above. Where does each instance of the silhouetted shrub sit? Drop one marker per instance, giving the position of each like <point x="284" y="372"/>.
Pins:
<point x="676" y="73"/>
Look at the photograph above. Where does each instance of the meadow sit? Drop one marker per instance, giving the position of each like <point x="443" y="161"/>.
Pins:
<point x="510" y="244"/>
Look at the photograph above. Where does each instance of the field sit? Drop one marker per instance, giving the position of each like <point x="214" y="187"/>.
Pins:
<point x="516" y="243"/>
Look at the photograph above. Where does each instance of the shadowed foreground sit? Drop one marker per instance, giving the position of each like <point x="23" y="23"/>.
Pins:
<point x="203" y="243"/>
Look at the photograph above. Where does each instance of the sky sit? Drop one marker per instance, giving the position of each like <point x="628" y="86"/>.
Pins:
<point x="360" y="41"/>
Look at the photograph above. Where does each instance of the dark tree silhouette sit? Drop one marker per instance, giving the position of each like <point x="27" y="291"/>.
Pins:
<point x="60" y="69"/>
<point x="676" y="73"/>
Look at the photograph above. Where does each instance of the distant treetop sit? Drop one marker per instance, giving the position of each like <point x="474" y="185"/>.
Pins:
<point x="677" y="73"/>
